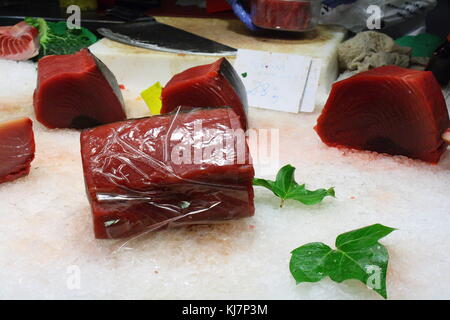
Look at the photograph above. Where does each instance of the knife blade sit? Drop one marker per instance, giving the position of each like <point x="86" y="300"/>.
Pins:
<point x="150" y="34"/>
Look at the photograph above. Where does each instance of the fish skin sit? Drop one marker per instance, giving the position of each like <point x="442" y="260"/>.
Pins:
<point x="13" y="38"/>
<point x="17" y="148"/>
<point x="446" y="136"/>
<point x="389" y="110"/>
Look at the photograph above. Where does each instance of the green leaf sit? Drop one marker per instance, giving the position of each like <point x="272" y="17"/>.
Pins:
<point x="56" y="38"/>
<point x="285" y="179"/>
<point x="307" y="262"/>
<point x="265" y="183"/>
<point x="358" y="255"/>
<point x="285" y="187"/>
<point x="363" y="237"/>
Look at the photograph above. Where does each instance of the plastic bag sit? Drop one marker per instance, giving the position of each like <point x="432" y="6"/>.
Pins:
<point x="262" y="15"/>
<point x="403" y="17"/>
<point x="188" y="167"/>
<point x="353" y="14"/>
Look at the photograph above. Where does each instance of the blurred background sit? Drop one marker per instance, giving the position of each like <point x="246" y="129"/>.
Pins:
<point x="437" y="20"/>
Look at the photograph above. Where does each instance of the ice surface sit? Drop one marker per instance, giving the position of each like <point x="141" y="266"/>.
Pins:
<point x="46" y="228"/>
<point x="17" y="82"/>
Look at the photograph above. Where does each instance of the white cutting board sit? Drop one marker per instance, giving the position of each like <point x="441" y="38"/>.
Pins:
<point x="48" y="243"/>
<point x="140" y="68"/>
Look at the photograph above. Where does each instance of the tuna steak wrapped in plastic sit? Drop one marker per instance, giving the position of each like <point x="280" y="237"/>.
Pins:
<point x="284" y="15"/>
<point x="16" y="148"/>
<point x="76" y="91"/>
<point x="389" y="110"/>
<point x="210" y="85"/>
<point x="167" y="170"/>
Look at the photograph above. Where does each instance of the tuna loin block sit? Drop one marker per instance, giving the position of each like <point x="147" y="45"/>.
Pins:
<point x="388" y="109"/>
<point x="282" y="15"/>
<point x="211" y="85"/>
<point x="16" y="148"/>
<point x="167" y="170"/>
<point x="76" y="91"/>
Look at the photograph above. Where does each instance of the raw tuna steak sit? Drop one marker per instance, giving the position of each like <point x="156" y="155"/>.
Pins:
<point x="211" y="85"/>
<point x="167" y="170"/>
<point x="76" y="91"/>
<point x="388" y="109"/>
<point x="16" y="148"/>
<point x="282" y="14"/>
<point x="19" y="42"/>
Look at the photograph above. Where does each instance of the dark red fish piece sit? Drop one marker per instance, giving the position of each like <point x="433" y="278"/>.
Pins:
<point x="76" y="91"/>
<point x="211" y="85"/>
<point x="446" y="136"/>
<point x="389" y="110"/>
<point x="282" y="14"/>
<point x="19" y="42"/>
<point x="167" y="170"/>
<point x="16" y="148"/>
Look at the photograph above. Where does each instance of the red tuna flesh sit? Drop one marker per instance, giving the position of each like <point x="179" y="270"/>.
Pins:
<point x="136" y="183"/>
<point x="19" y="42"/>
<point x="76" y="91"/>
<point x="282" y="14"/>
<point x="16" y="148"/>
<point x="211" y="85"/>
<point x="389" y="110"/>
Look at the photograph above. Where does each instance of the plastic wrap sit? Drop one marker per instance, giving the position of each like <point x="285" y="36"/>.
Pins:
<point x="396" y="15"/>
<point x="16" y="148"/>
<point x="188" y="167"/>
<point x="287" y="15"/>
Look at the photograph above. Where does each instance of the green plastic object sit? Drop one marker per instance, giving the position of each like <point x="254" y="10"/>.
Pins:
<point x="423" y="45"/>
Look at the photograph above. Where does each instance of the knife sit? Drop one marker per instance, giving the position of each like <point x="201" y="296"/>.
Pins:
<point x="146" y="32"/>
